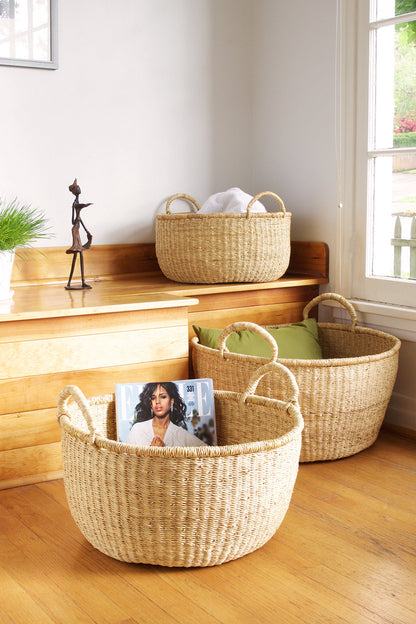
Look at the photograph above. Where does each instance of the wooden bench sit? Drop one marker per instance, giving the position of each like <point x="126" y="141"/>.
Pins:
<point x="133" y="325"/>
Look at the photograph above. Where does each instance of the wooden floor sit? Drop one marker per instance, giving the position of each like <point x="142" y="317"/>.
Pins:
<point x="345" y="553"/>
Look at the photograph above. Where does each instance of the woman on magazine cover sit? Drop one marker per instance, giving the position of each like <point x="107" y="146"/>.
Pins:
<point x="160" y="418"/>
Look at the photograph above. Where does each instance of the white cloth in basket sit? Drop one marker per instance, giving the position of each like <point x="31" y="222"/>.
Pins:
<point x="232" y="200"/>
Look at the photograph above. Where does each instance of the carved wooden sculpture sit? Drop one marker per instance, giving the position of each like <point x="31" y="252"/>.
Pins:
<point x="77" y="246"/>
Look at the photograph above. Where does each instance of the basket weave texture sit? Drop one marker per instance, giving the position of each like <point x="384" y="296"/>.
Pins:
<point x="343" y="397"/>
<point x="190" y="506"/>
<point x="223" y="247"/>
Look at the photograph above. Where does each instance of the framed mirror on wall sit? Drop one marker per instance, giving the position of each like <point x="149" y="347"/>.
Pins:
<point x="28" y="33"/>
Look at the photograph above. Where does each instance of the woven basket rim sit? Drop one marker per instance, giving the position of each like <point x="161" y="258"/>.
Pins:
<point x="324" y="362"/>
<point x="224" y="215"/>
<point x="198" y="452"/>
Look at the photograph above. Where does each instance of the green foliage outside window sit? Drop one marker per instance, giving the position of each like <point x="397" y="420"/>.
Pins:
<point x="405" y="71"/>
<point x="405" y="139"/>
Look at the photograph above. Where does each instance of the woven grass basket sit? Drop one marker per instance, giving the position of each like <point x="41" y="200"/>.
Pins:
<point x="343" y="397"/>
<point x="177" y="506"/>
<point x="223" y="247"/>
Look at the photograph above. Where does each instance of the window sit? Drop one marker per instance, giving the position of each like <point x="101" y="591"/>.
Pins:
<point x="378" y="188"/>
<point x="28" y="33"/>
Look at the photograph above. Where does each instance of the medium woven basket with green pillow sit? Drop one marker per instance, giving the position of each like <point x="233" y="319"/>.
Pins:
<point x="343" y="396"/>
<point x="223" y="247"/>
<point x="183" y="506"/>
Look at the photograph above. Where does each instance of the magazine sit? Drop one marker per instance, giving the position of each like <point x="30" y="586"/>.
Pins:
<point x="174" y="413"/>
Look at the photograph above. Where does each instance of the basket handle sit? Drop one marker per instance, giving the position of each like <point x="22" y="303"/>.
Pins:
<point x="272" y="367"/>
<point x="73" y="391"/>
<point x="230" y="329"/>
<point x="333" y="297"/>
<point x="188" y="198"/>
<point x="260" y="195"/>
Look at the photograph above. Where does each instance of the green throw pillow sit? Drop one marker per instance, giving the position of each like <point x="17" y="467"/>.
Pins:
<point x="296" y="341"/>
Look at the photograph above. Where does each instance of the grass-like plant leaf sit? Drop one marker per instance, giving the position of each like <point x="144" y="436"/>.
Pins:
<point x="21" y="225"/>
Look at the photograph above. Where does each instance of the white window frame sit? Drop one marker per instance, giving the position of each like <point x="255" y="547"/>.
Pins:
<point x="381" y="300"/>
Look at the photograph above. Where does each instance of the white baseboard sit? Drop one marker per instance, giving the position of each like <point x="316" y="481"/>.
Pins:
<point x="402" y="411"/>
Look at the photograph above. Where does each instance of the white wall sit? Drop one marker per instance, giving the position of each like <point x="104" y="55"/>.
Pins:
<point x="150" y="99"/>
<point x="294" y="120"/>
<point x="166" y="96"/>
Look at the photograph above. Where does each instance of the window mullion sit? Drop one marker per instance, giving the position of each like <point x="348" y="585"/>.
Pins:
<point x="392" y="151"/>
<point x="392" y="21"/>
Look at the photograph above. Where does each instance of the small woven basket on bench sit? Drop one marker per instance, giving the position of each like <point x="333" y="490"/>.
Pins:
<point x="183" y="506"/>
<point x="223" y="247"/>
<point x="343" y="397"/>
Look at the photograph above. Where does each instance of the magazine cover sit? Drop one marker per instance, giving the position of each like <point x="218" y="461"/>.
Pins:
<point x="173" y="413"/>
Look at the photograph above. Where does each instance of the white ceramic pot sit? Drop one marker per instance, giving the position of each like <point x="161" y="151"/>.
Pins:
<point x="6" y="266"/>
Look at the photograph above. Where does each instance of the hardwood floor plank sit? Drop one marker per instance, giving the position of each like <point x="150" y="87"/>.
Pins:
<point x="243" y="583"/>
<point x="67" y="543"/>
<point x="228" y="601"/>
<point x="169" y="598"/>
<point x="343" y="554"/>
<point x="376" y="522"/>
<point x="394" y="486"/>
<point x="315" y="603"/>
<point x="354" y="507"/>
<point x="17" y="605"/>
<point x="62" y="579"/>
<point x="374" y="602"/>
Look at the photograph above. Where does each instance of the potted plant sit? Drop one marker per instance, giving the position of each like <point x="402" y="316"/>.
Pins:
<point x="20" y="226"/>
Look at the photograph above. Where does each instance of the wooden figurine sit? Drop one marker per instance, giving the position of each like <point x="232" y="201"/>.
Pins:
<point x="77" y="246"/>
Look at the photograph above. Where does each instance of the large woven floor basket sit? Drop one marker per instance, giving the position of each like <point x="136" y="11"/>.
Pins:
<point x="223" y="247"/>
<point x="343" y="397"/>
<point x="176" y="506"/>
